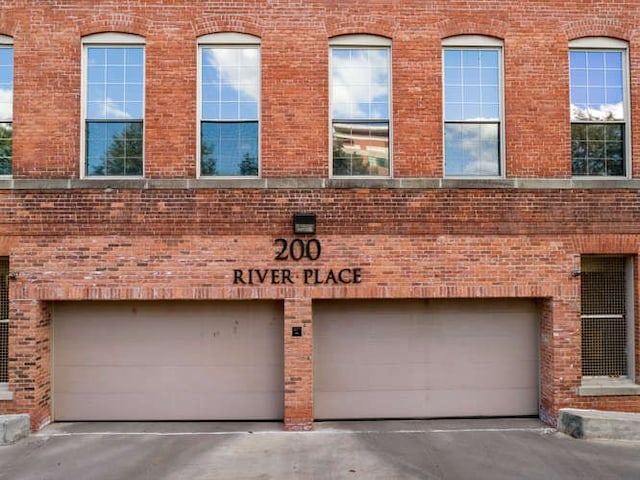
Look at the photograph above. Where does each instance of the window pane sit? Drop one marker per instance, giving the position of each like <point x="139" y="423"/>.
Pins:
<point x="229" y="148"/>
<point x="359" y="83"/>
<point x="597" y="149"/>
<point x="471" y="84"/>
<point x="5" y="148"/>
<point x="596" y="82"/>
<point x="472" y="149"/>
<point x="115" y="92"/>
<point x="114" y="148"/>
<point x="115" y="56"/>
<point x="230" y="75"/>
<point x="115" y="74"/>
<point x="6" y="83"/>
<point x="361" y="148"/>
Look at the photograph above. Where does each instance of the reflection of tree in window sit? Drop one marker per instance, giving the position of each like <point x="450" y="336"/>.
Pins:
<point x="123" y="154"/>
<point x="229" y="148"/>
<point x="207" y="160"/>
<point x="248" y="165"/>
<point x="5" y="148"/>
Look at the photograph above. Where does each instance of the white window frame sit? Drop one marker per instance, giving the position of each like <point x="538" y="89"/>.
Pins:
<point x="6" y="41"/>
<point x="362" y="41"/>
<point x="116" y="40"/>
<point x="227" y="39"/>
<point x="472" y="42"/>
<point x="609" y="44"/>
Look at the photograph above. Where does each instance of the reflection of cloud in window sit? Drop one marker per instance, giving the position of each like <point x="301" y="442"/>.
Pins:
<point x="6" y="110"/>
<point x="237" y="68"/>
<point x="481" y="153"/>
<point x="111" y="109"/>
<point x="605" y="112"/>
<point x="360" y="84"/>
<point x="472" y="149"/>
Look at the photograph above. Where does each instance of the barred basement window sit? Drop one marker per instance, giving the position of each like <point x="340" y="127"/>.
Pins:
<point x="4" y="321"/>
<point x="605" y="307"/>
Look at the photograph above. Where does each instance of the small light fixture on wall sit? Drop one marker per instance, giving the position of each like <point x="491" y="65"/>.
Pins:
<point x="304" y="223"/>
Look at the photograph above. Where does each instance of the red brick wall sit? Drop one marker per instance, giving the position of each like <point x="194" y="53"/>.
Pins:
<point x="294" y="37"/>
<point x="125" y="243"/>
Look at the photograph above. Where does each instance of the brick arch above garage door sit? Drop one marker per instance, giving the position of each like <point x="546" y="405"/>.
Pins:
<point x="417" y="358"/>
<point x="169" y="360"/>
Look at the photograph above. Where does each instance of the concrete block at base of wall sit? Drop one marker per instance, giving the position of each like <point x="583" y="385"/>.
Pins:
<point x="600" y="424"/>
<point x="14" y="428"/>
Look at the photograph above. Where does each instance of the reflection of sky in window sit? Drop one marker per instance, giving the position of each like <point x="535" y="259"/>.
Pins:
<point x="115" y="83"/>
<point x="230" y="83"/>
<point x="472" y="149"/>
<point x="471" y="84"/>
<point x="360" y="83"/>
<point x="596" y="85"/>
<point x="6" y="83"/>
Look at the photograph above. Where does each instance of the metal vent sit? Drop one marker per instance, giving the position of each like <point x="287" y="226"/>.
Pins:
<point x="604" y="328"/>
<point x="4" y="319"/>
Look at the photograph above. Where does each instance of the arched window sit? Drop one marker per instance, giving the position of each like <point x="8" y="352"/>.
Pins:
<point x="229" y="105"/>
<point x="113" y="105"/>
<point x="6" y="104"/>
<point x="360" y="105"/>
<point x="473" y="106"/>
<point x="599" y="107"/>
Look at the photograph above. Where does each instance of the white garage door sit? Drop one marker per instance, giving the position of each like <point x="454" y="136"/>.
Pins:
<point x="403" y="359"/>
<point x="167" y="360"/>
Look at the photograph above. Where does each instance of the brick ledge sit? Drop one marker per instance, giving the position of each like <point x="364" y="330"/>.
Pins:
<point x="608" y="388"/>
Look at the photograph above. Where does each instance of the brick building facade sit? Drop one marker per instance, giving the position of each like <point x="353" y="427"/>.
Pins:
<point x="167" y="290"/>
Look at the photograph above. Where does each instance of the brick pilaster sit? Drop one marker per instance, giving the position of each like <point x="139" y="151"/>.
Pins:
<point x="298" y="365"/>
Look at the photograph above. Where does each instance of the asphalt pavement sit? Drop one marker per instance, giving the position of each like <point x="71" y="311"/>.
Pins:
<point x="417" y="449"/>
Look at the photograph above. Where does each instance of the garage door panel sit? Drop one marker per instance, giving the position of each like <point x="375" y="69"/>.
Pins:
<point x="167" y="339"/>
<point x="433" y="403"/>
<point x="175" y="405"/>
<point x="425" y="358"/>
<point x="160" y="379"/>
<point x="168" y="360"/>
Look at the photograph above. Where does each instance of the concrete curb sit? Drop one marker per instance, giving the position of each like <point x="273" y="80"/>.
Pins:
<point x="599" y="424"/>
<point x="14" y="428"/>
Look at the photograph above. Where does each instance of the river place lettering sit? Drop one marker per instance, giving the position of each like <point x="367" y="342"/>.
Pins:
<point x="307" y="276"/>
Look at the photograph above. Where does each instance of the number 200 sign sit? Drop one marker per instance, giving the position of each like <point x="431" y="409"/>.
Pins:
<point x="297" y="249"/>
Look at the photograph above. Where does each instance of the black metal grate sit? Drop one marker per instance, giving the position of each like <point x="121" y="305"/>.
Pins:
<point x="603" y="312"/>
<point x="4" y="319"/>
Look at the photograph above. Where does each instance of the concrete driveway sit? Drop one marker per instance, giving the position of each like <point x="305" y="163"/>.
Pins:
<point x="425" y="449"/>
